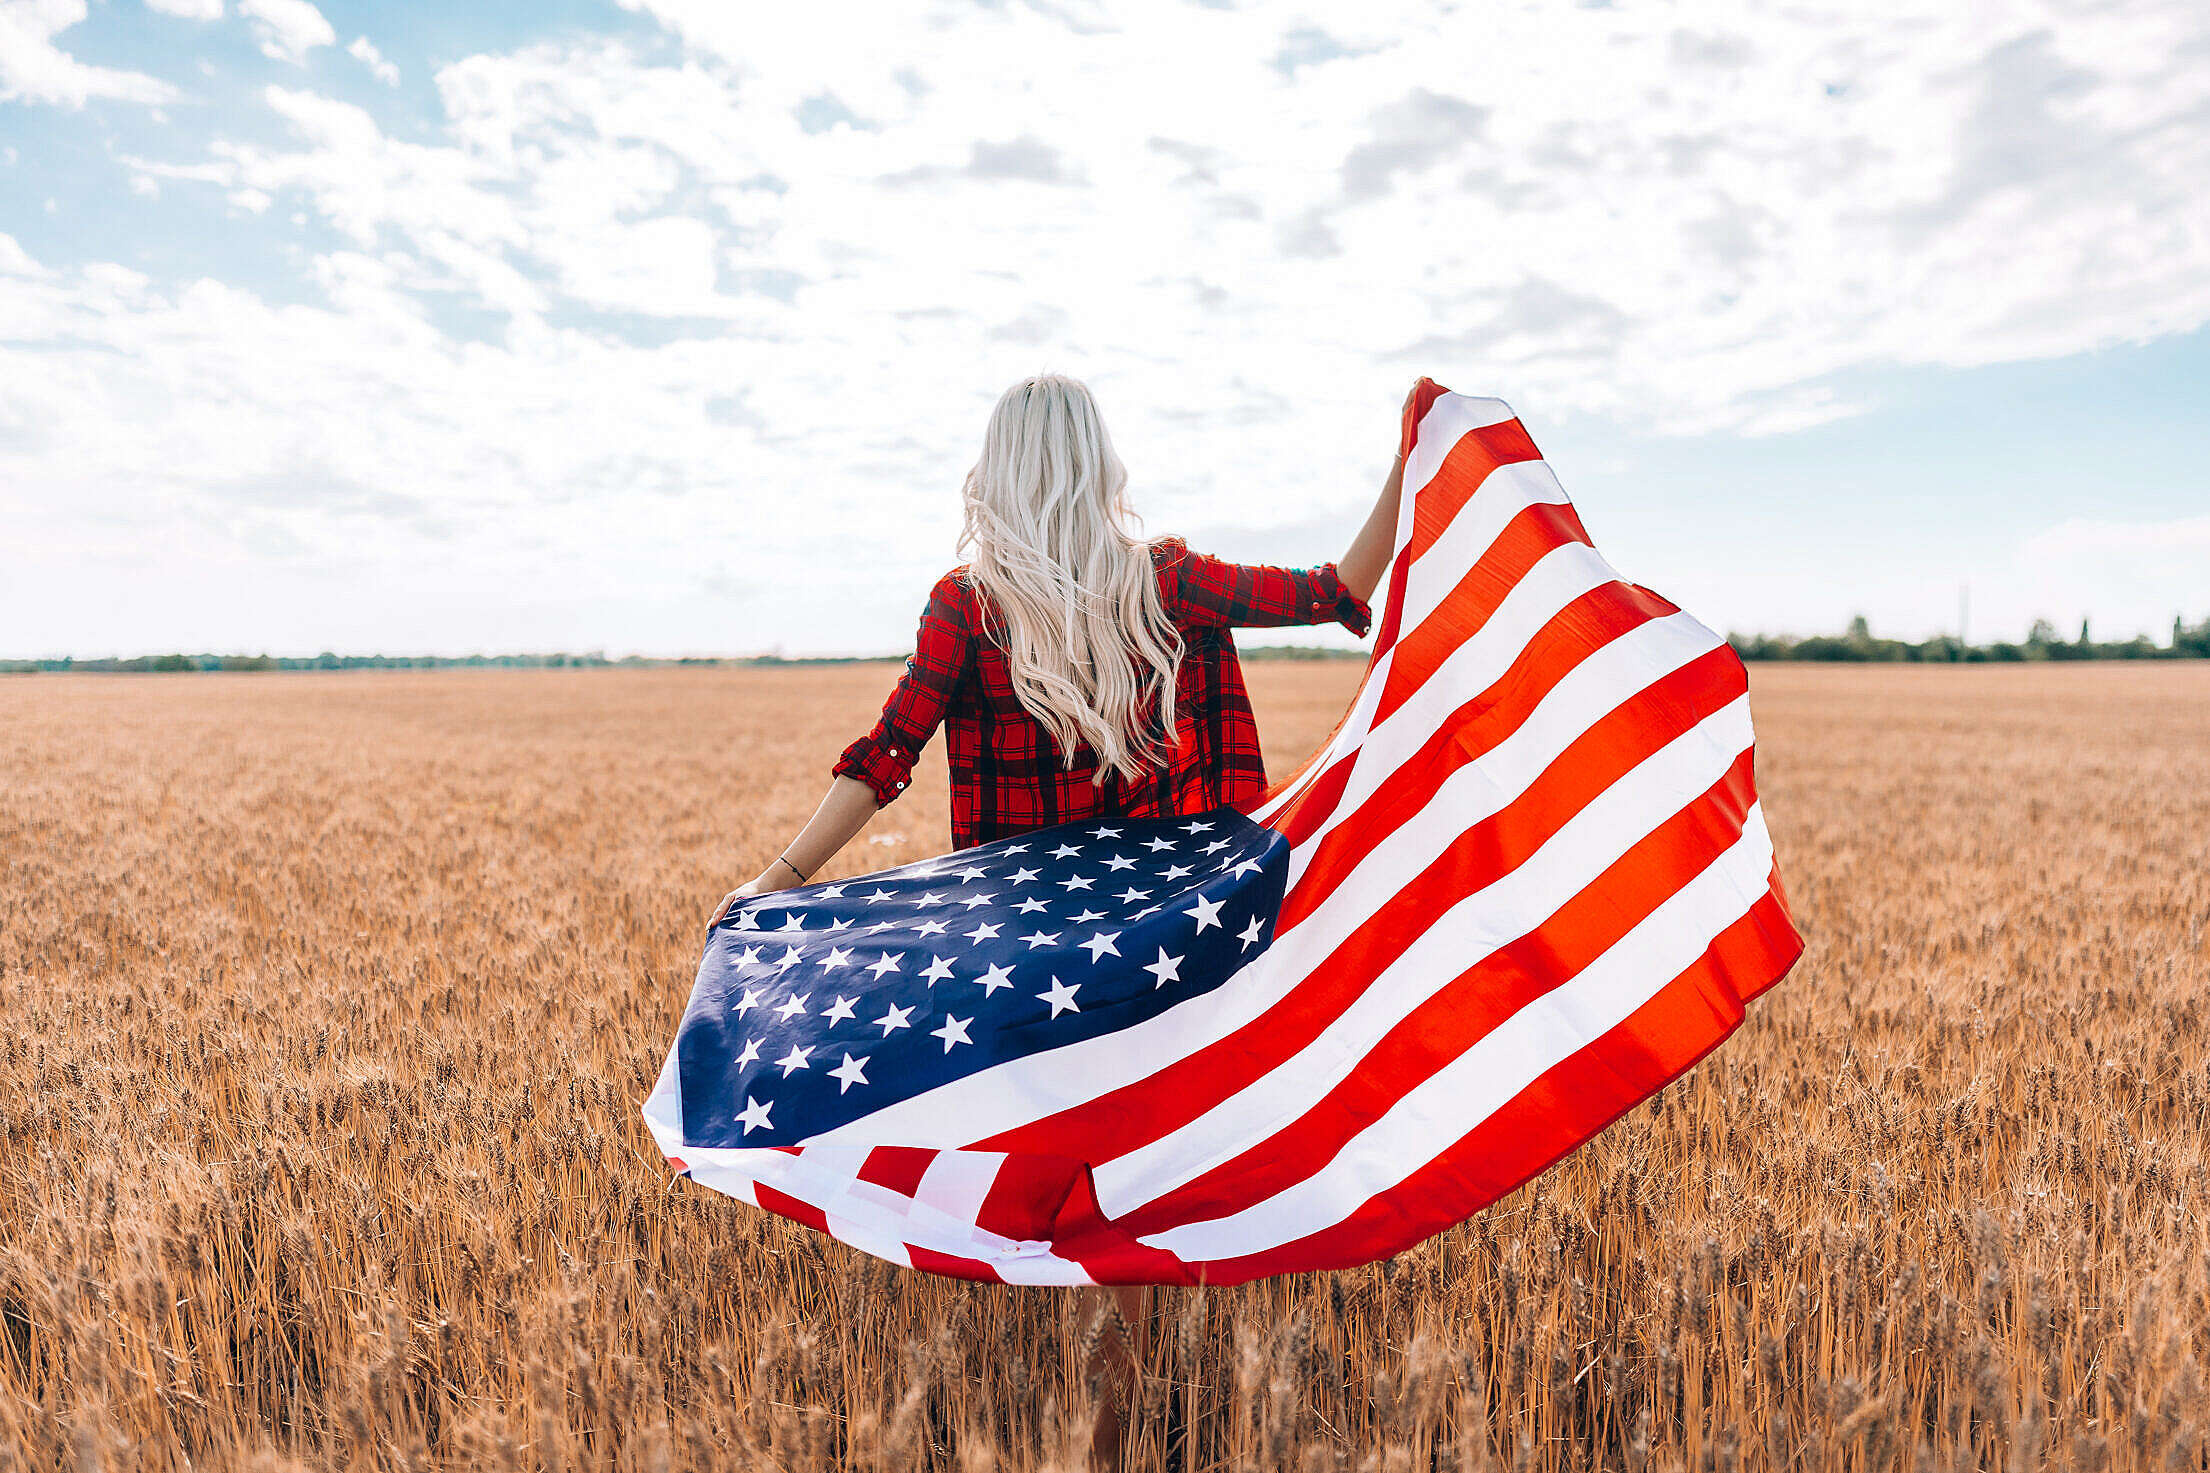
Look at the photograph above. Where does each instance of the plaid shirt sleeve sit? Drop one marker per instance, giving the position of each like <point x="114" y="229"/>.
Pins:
<point x="1210" y="591"/>
<point x="883" y="759"/>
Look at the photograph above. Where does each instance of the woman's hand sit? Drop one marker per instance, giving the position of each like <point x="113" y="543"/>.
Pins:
<point x="744" y="891"/>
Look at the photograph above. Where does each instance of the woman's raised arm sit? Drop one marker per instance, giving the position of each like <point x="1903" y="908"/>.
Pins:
<point x="1367" y="559"/>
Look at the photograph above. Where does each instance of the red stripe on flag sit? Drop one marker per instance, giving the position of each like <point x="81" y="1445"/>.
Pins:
<point x="1575" y="1100"/>
<point x="1468" y="1008"/>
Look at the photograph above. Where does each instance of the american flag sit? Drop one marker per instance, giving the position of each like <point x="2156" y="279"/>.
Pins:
<point x="1524" y="884"/>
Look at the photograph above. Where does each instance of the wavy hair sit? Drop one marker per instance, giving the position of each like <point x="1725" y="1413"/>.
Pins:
<point x="1047" y="539"/>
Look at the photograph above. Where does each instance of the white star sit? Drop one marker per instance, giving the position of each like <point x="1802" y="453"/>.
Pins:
<point x="1014" y="849"/>
<point x="794" y="1004"/>
<point x="1061" y="997"/>
<point x="888" y="962"/>
<point x="972" y="873"/>
<point x="751" y="1052"/>
<point x="983" y="930"/>
<point x="1176" y="871"/>
<point x="1104" y="833"/>
<point x="974" y="900"/>
<point x="1249" y="934"/>
<point x="1156" y="845"/>
<point x="881" y="926"/>
<point x="882" y="895"/>
<point x="839" y="956"/>
<point x="1031" y="905"/>
<point x="1246" y="867"/>
<point x="1132" y="895"/>
<point x="932" y="898"/>
<point x="793" y="922"/>
<point x="1166" y="968"/>
<point x="1195" y="828"/>
<point x="953" y="1031"/>
<point x="893" y="1018"/>
<point x="795" y="1059"/>
<point x="749" y="957"/>
<point x="1041" y="938"/>
<point x="1076" y="882"/>
<point x="834" y="892"/>
<point x="838" y="923"/>
<point x="1217" y="845"/>
<point x="1207" y="913"/>
<point x="754" y="1115"/>
<point x="993" y="979"/>
<point x="1023" y="876"/>
<point x="789" y="958"/>
<point x="930" y="928"/>
<point x="848" y="1073"/>
<point x="1088" y="916"/>
<point x="749" y="921"/>
<point x="1065" y="851"/>
<point x="1150" y="910"/>
<point x="746" y="1003"/>
<point x="1101" y="943"/>
<point x="1120" y="861"/>
<point x="939" y="970"/>
<point x="839" y="1011"/>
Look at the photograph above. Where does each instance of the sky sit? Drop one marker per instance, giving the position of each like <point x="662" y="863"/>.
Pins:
<point x="671" y="327"/>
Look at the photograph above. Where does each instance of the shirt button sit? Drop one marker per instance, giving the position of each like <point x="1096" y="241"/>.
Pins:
<point x="893" y="751"/>
<point x="901" y="784"/>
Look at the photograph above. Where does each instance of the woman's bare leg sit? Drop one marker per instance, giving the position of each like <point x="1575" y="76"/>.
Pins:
<point x="1120" y="1352"/>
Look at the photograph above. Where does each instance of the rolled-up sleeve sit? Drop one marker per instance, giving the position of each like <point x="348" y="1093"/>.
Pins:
<point x="883" y="758"/>
<point x="1257" y="595"/>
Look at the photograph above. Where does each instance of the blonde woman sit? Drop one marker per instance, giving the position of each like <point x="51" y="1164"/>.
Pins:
<point x="1078" y="669"/>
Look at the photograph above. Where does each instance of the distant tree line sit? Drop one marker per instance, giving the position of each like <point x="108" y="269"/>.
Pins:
<point x="594" y="660"/>
<point x="2043" y="642"/>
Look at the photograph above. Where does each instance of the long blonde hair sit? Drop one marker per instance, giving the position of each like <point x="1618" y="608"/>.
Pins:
<point x="1047" y="539"/>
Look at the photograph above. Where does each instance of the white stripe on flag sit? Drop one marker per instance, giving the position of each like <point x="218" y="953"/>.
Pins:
<point x="1451" y="1103"/>
<point x="1506" y="909"/>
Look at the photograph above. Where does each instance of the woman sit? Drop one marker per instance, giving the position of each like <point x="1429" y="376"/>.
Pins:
<point x="1080" y="671"/>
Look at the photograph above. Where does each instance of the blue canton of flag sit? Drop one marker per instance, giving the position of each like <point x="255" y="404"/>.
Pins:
<point x="819" y="1005"/>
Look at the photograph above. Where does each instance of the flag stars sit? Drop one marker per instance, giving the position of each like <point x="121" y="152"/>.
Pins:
<point x="794" y="1060"/>
<point x="749" y="957"/>
<point x="983" y="931"/>
<point x="839" y="956"/>
<point x="882" y="895"/>
<point x="931" y="928"/>
<point x="887" y="962"/>
<point x="1041" y="938"/>
<point x="1106" y="833"/>
<point x="793" y="922"/>
<point x="1031" y="905"/>
<point x="1065" y="851"/>
<point x="746" y="1003"/>
<point x="1245" y="868"/>
<point x="1076" y="882"/>
<point x="1061" y="997"/>
<point x="1120" y="862"/>
<point x="971" y="874"/>
<point x="974" y="900"/>
<point x="750" y="1054"/>
<point x="1131" y="895"/>
<point x="790" y="958"/>
<point x="953" y="1031"/>
<point x="1175" y="871"/>
<point x="894" y="1018"/>
<point x="794" y="1005"/>
<point x="1157" y="846"/>
<point x="992" y="980"/>
<point x="754" y="1115"/>
<point x="1023" y="876"/>
<point x="1217" y="845"/>
<point x="1088" y="916"/>
<point x="1195" y="828"/>
<point x="1207" y="913"/>
<point x="839" y="1011"/>
<point x="1166" y="969"/>
<point x="1101" y="945"/>
<point x="848" y="1073"/>
<point x="939" y="970"/>
<point x="931" y="898"/>
<point x="1249" y="934"/>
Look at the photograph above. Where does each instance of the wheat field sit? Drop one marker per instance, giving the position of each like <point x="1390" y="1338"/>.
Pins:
<point x="328" y="1002"/>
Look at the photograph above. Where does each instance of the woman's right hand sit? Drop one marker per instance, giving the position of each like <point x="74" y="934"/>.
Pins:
<point x="744" y="891"/>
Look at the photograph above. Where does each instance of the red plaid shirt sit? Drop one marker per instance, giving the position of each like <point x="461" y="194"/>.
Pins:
<point x="1006" y="774"/>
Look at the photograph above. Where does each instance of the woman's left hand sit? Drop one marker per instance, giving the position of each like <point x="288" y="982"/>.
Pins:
<point x="729" y="902"/>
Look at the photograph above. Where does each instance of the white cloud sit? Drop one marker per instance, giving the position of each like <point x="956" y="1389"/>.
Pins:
<point x="287" y="29"/>
<point x="609" y="313"/>
<point x="189" y="9"/>
<point x="33" y="69"/>
<point x="364" y="51"/>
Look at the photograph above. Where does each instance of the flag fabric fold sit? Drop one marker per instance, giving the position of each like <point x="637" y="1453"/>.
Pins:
<point x="1524" y="884"/>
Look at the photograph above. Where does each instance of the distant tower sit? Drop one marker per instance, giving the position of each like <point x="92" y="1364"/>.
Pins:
<point x="1964" y="613"/>
<point x="2083" y="629"/>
